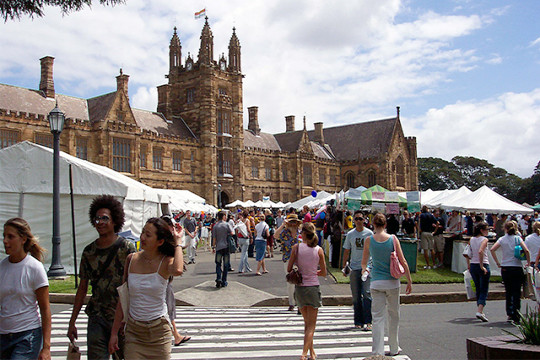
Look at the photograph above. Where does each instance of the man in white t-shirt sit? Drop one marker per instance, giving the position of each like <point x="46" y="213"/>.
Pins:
<point x="354" y="246"/>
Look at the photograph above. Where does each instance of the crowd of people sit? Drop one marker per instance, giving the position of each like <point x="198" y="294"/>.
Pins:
<point x="146" y="328"/>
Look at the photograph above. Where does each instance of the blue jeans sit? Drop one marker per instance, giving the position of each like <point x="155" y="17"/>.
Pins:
<point x="361" y="297"/>
<point x="97" y="340"/>
<point x="320" y="236"/>
<point x="222" y="256"/>
<point x="244" y="244"/>
<point x="22" y="345"/>
<point x="481" y="281"/>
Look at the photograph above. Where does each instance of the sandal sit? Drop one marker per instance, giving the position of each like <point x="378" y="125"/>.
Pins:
<point x="184" y="339"/>
<point x="265" y="272"/>
<point x="258" y="273"/>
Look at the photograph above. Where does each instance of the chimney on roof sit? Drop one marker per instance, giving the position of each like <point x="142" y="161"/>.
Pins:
<point x="46" y="84"/>
<point x="122" y="83"/>
<point x="289" y="123"/>
<point x="319" y="136"/>
<point x="397" y="108"/>
<point x="253" y="124"/>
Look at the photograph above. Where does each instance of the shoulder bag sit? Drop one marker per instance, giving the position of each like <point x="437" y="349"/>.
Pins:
<point x="294" y="277"/>
<point x="396" y="269"/>
<point x="231" y="243"/>
<point x="519" y="253"/>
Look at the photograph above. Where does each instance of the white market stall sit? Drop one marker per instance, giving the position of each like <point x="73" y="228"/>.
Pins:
<point x="26" y="191"/>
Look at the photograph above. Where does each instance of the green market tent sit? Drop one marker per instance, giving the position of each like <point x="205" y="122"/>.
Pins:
<point x="367" y="196"/>
<point x="536" y="207"/>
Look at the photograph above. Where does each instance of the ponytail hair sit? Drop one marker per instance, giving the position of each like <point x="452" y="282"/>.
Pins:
<point x="31" y="244"/>
<point x="308" y="230"/>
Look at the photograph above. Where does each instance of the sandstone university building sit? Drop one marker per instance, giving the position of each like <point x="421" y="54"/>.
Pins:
<point x="196" y="140"/>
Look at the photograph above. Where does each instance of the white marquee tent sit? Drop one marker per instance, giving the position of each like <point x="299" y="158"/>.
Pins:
<point x="26" y="191"/>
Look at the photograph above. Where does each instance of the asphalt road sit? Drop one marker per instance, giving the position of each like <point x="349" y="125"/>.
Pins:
<point x="439" y="331"/>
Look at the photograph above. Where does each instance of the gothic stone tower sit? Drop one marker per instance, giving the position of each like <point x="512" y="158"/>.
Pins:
<point x="207" y="95"/>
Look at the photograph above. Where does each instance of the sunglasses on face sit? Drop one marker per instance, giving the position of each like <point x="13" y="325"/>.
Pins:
<point x="102" y="219"/>
<point x="358" y="219"/>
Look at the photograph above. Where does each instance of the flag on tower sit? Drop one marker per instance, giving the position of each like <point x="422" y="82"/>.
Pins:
<point x="200" y="14"/>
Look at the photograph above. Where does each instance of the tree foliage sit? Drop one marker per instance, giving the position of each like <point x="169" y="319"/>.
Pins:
<point x="14" y="9"/>
<point x="439" y="174"/>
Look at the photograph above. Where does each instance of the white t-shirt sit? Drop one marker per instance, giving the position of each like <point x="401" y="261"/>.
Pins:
<point x="18" y="302"/>
<point x="475" y="243"/>
<point x="507" y="244"/>
<point x="533" y="244"/>
<point x="261" y="228"/>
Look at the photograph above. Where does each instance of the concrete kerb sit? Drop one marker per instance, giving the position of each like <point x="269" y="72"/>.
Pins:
<point x="339" y="300"/>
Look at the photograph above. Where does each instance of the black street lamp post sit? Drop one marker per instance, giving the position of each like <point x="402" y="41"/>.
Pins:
<point x="56" y="121"/>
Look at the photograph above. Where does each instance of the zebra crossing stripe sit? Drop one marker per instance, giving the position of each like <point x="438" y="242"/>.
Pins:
<point x="254" y="333"/>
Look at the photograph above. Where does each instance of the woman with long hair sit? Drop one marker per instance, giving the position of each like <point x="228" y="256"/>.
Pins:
<point x="287" y="234"/>
<point x="23" y="288"/>
<point x="511" y="268"/>
<point x="479" y="266"/>
<point x="148" y="329"/>
<point x="384" y="287"/>
<point x="309" y="258"/>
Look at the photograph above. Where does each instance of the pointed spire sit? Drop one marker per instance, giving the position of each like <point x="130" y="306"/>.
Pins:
<point x="305" y="128"/>
<point x="234" y="53"/>
<point x="206" y="51"/>
<point x="175" y="53"/>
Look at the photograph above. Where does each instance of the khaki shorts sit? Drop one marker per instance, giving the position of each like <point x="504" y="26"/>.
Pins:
<point x="439" y="243"/>
<point x="426" y="240"/>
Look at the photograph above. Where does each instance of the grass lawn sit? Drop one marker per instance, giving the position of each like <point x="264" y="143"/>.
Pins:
<point x="65" y="286"/>
<point x="432" y="276"/>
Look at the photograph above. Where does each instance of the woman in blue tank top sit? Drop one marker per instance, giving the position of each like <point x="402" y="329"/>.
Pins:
<point x="384" y="287"/>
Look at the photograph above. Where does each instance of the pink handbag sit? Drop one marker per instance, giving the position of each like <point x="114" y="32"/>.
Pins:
<point x="396" y="269"/>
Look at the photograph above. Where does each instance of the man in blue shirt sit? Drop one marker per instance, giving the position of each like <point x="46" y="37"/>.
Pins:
<point x="354" y="246"/>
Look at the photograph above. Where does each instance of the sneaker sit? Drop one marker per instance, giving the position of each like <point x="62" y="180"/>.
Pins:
<point x="482" y="317"/>
<point x="367" y="327"/>
<point x="427" y="267"/>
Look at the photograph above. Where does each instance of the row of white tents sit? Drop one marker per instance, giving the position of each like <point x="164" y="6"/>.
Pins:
<point x="26" y="191"/>
<point x="483" y="200"/>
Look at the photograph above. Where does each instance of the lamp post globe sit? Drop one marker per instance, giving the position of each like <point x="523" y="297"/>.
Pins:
<point x="56" y="122"/>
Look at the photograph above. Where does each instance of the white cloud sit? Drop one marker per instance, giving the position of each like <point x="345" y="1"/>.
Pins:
<point x="501" y="130"/>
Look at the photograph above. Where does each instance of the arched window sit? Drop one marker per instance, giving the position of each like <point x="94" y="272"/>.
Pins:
<point x="349" y="180"/>
<point x="372" y="178"/>
<point x="400" y="172"/>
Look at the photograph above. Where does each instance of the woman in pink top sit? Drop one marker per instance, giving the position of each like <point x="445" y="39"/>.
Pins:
<point x="309" y="258"/>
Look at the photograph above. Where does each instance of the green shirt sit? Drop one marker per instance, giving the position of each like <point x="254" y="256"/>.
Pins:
<point x="104" y="281"/>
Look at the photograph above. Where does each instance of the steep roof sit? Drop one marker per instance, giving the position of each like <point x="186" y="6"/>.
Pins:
<point x="99" y="106"/>
<point x="19" y="99"/>
<point x="156" y="122"/>
<point x="262" y="141"/>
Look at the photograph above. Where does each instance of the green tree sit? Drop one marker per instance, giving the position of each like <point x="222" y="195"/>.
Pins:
<point x="14" y="9"/>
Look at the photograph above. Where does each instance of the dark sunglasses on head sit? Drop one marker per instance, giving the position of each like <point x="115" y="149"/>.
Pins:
<point x="103" y="219"/>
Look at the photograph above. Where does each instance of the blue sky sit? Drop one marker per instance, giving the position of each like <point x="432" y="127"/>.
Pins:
<point x="465" y="73"/>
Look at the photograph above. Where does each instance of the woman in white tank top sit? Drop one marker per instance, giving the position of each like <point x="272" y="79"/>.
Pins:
<point x="148" y="330"/>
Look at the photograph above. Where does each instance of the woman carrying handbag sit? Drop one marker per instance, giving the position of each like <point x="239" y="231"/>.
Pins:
<point x="309" y="258"/>
<point x="385" y="287"/>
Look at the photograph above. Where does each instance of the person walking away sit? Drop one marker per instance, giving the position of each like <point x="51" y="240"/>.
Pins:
<point x="392" y="226"/>
<point x="269" y="219"/>
<point x="309" y="258"/>
<point x="220" y="245"/>
<point x="261" y="233"/>
<point x="479" y="267"/>
<point x="511" y="268"/>
<point x="251" y="228"/>
<point x="335" y="237"/>
<point x="243" y="241"/>
<point x="361" y="294"/>
<point x="287" y="234"/>
<point x="23" y="288"/>
<point x="102" y="266"/>
<point x="533" y="243"/>
<point x="178" y="234"/>
<point x="190" y="227"/>
<point x="438" y="239"/>
<point x="427" y="224"/>
<point x="384" y="287"/>
<point x="499" y="225"/>
<point x="148" y="330"/>
<point x="319" y="226"/>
